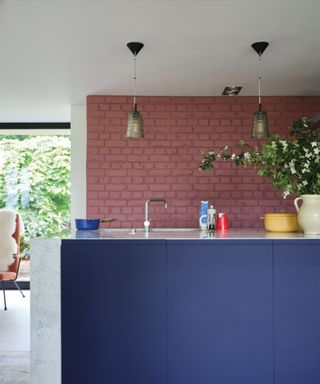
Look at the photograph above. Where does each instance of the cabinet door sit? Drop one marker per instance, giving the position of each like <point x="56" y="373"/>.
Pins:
<point x="297" y="312"/>
<point x="113" y="312"/>
<point x="220" y="312"/>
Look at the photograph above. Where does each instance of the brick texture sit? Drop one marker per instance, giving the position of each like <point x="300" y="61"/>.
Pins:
<point x="122" y="174"/>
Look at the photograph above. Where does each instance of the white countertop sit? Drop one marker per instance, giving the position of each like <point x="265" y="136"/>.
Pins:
<point x="187" y="233"/>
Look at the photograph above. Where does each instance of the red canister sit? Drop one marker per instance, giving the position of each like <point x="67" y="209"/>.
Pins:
<point x="222" y="223"/>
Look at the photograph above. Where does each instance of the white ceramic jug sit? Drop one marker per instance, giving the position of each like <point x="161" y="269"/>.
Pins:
<point x="309" y="213"/>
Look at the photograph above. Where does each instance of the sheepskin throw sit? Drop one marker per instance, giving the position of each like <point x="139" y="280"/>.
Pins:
<point x="8" y="245"/>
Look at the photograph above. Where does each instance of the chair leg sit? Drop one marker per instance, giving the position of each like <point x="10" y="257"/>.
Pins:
<point x="4" y="296"/>
<point x="17" y="286"/>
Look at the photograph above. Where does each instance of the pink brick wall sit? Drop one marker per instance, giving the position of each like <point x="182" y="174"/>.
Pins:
<point x="123" y="174"/>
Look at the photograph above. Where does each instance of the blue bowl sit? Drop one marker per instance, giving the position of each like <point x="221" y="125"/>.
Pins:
<point x="87" y="224"/>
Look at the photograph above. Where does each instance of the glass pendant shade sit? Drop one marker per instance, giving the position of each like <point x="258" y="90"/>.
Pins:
<point x="135" y="125"/>
<point x="260" y="129"/>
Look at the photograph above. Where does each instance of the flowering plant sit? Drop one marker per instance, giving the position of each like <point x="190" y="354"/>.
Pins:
<point x="292" y="165"/>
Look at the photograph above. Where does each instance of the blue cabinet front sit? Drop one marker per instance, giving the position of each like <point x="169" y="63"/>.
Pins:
<point x="113" y="312"/>
<point x="190" y="312"/>
<point x="220" y="312"/>
<point x="297" y="312"/>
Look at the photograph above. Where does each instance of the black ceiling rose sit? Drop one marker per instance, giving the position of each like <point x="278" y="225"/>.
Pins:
<point x="135" y="47"/>
<point x="260" y="47"/>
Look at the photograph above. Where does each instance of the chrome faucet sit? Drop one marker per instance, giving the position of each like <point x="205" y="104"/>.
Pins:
<point x="146" y="211"/>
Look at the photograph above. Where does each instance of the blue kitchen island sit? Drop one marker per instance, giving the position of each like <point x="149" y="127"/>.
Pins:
<point x="175" y="308"/>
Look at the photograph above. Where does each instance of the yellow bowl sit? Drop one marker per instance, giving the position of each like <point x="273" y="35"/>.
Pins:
<point x="281" y="222"/>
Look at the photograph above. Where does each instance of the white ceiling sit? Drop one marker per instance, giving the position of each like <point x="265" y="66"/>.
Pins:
<point x="54" y="53"/>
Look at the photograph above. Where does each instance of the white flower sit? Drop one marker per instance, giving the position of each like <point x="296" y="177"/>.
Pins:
<point x="285" y="194"/>
<point x="305" y="182"/>
<point x="247" y="156"/>
<point x="233" y="156"/>
<point x="284" y="143"/>
<point x="292" y="167"/>
<point x="317" y="151"/>
<point x="306" y="168"/>
<point x="225" y="148"/>
<point x="273" y="144"/>
<point x="314" y="143"/>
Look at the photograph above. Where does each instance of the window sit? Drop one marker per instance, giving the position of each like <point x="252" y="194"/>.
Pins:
<point x="35" y="180"/>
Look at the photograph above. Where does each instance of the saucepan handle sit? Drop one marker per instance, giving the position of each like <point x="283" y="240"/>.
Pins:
<point x="108" y="220"/>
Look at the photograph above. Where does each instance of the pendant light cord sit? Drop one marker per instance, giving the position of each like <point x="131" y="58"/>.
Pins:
<point x="134" y="83"/>
<point x="259" y="84"/>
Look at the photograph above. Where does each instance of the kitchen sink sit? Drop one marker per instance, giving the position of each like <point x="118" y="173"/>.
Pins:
<point x="154" y="233"/>
<point x="167" y="229"/>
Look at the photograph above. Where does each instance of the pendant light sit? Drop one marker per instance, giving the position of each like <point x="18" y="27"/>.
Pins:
<point x="260" y="128"/>
<point x="135" y="125"/>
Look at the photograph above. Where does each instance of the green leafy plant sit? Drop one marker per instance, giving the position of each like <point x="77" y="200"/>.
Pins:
<point x="35" y="179"/>
<point x="292" y="165"/>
